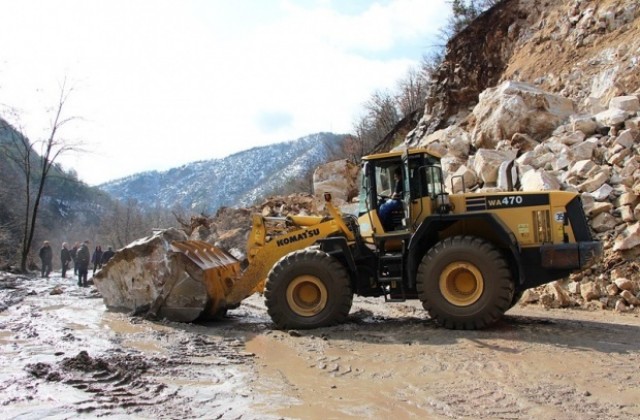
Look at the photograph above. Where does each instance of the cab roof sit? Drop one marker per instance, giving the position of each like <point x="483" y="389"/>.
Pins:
<point x="399" y="153"/>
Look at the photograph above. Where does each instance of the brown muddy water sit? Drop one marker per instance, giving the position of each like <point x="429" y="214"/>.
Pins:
<point x="63" y="355"/>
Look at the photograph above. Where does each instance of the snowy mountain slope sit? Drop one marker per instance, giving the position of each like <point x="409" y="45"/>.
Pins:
<point x="236" y="180"/>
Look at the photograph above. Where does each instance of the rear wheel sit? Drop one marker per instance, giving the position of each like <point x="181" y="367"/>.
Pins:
<point x="308" y="289"/>
<point x="464" y="282"/>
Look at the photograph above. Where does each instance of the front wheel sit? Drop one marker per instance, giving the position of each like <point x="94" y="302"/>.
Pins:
<point x="464" y="282"/>
<point x="308" y="289"/>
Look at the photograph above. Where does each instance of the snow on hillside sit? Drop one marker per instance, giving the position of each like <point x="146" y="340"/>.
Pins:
<point x="236" y="180"/>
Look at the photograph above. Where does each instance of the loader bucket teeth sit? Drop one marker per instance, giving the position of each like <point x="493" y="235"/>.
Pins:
<point x="203" y="254"/>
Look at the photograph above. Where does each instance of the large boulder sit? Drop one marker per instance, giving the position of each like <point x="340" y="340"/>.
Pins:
<point x="146" y="277"/>
<point x="514" y="107"/>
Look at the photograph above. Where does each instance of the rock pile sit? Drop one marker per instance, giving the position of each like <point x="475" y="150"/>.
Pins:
<point x="596" y="154"/>
<point x="229" y="228"/>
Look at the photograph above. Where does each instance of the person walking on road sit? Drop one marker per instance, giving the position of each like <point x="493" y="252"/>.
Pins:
<point x="96" y="259"/>
<point x="46" y="257"/>
<point x="74" y="252"/>
<point x="82" y="263"/>
<point x="106" y="256"/>
<point x="65" y="259"/>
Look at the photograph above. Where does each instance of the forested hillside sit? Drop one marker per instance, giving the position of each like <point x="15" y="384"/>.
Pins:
<point x="69" y="209"/>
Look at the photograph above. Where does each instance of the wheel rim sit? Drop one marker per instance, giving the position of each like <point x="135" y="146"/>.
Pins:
<point x="461" y="283"/>
<point x="307" y="295"/>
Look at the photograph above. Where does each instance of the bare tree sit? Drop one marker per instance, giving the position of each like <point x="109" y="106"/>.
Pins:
<point x="464" y="12"/>
<point x="382" y="112"/>
<point x="125" y="223"/>
<point x="363" y="139"/>
<point x="412" y="91"/>
<point x="36" y="168"/>
<point x="381" y="115"/>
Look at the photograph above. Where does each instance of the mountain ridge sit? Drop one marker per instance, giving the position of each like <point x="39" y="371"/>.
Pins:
<point x="235" y="180"/>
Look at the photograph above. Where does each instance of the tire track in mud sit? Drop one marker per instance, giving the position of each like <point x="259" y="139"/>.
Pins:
<point x="181" y="373"/>
<point x="136" y="383"/>
<point x="112" y="382"/>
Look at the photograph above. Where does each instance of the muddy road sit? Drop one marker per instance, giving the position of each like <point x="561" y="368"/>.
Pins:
<point x="63" y="355"/>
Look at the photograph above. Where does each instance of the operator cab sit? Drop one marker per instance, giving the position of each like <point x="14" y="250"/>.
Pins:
<point x="422" y="188"/>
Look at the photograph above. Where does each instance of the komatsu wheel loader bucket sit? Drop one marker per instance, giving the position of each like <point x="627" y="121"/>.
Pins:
<point x="216" y="269"/>
<point x="167" y="276"/>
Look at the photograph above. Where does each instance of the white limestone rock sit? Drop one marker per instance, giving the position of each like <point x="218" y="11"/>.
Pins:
<point x="574" y="287"/>
<point x="450" y="164"/>
<point x="514" y="107"/>
<point x="624" y="283"/>
<point x="629" y="238"/>
<point x="539" y="180"/>
<point x="582" y="167"/>
<point x="603" y="222"/>
<point x="560" y="295"/>
<point x="621" y="306"/>
<point x="146" y="276"/>
<point x="603" y="192"/>
<point x="630" y="298"/>
<point x="632" y="123"/>
<point x="628" y="198"/>
<point x="487" y="163"/>
<point x="596" y="208"/>
<point x="626" y="214"/>
<point x="462" y="174"/>
<point x="611" y="117"/>
<point x="629" y="104"/>
<point x="593" y="183"/>
<point x="584" y="123"/>
<point x="523" y="142"/>
<point x="589" y="291"/>
<point x="583" y="151"/>
<point x="573" y="138"/>
<point x="627" y="138"/>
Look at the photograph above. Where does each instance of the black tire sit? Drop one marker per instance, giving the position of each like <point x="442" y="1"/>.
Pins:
<point x="464" y="282"/>
<point x="308" y="289"/>
<point x="516" y="298"/>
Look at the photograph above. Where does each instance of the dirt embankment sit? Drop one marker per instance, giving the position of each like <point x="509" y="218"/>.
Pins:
<point x="63" y="355"/>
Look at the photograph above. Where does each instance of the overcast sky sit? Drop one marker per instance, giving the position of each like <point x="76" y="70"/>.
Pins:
<point x="157" y="84"/>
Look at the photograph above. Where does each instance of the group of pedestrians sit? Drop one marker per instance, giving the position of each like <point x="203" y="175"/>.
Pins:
<point x="79" y="255"/>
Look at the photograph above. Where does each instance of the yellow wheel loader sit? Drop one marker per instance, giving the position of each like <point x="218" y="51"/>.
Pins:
<point x="467" y="257"/>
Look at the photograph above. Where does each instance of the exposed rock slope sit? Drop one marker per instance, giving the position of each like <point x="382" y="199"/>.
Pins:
<point x="581" y="49"/>
<point x="555" y="86"/>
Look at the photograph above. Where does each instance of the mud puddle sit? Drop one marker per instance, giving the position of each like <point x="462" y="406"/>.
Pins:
<point x="64" y="356"/>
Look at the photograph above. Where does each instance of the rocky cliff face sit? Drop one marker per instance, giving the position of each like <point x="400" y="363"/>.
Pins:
<point x="581" y="49"/>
